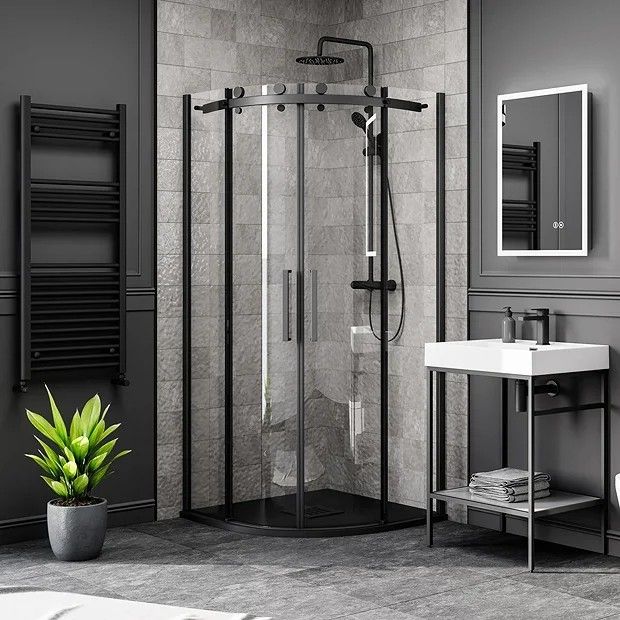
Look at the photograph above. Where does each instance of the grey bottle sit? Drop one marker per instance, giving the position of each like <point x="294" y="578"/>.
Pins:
<point x="508" y="326"/>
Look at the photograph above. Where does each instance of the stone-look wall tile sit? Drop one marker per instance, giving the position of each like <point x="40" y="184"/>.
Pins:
<point x="169" y="270"/>
<point x="456" y="205"/>
<point x="456" y="141"/>
<point x="456" y="45"/>
<point x="169" y="206"/>
<point x="223" y="25"/>
<point x="456" y="110"/>
<point x="456" y="302"/>
<point x="456" y="238"/>
<point x="456" y="174"/>
<point x="456" y="269"/>
<point x="169" y="112"/>
<point x="456" y="14"/>
<point x="170" y="48"/>
<point x="169" y="365"/>
<point x="197" y="21"/>
<point x="456" y="77"/>
<point x="244" y="42"/>
<point x="169" y="300"/>
<point x="169" y="480"/>
<point x="170" y="17"/>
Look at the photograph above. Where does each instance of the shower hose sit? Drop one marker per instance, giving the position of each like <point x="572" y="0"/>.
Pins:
<point x="401" y="322"/>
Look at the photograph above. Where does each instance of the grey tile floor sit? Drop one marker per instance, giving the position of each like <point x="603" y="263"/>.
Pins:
<point x="470" y="573"/>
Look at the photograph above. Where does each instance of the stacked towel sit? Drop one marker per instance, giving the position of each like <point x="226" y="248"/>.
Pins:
<point x="508" y="485"/>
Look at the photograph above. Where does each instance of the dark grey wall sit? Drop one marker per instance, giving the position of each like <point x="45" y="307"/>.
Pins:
<point x="84" y="53"/>
<point x="518" y="45"/>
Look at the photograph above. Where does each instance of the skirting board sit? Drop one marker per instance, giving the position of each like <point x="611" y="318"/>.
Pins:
<point x="561" y="534"/>
<point x="29" y="528"/>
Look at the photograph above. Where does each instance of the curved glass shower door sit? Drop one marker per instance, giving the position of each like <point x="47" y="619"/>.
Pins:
<point x="295" y="291"/>
<point x="342" y="380"/>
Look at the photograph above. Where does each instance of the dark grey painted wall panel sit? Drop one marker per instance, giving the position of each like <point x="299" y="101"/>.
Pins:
<point x="84" y="53"/>
<point x="518" y="45"/>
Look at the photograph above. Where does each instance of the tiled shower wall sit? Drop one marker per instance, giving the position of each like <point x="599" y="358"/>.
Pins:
<point x="208" y="44"/>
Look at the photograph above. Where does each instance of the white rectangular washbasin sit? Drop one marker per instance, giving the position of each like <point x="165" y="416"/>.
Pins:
<point x="523" y="357"/>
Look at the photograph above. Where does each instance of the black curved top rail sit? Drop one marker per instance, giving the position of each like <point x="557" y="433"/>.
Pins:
<point x="310" y="98"/>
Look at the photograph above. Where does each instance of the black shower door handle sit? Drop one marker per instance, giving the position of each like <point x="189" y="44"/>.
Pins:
<point x="286" y="285"/>
<point x="314" y="327"/>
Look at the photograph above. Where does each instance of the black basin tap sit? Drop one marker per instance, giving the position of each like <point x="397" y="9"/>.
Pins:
<point x="542" y="319"/>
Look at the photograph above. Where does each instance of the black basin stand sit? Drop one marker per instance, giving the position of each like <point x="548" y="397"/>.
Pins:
<point x="559" y="501"/>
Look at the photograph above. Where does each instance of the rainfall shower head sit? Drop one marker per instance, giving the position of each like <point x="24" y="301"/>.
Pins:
<point x="319" y="59"/>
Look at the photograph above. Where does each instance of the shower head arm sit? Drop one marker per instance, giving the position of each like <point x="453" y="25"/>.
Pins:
<point x="354" y="42"/>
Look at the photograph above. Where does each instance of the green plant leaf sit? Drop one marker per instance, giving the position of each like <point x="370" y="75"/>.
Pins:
<point x="96" y="462"/>
<point x="76" y="426"/>
<point x="98" y="476"/>
<point x="57" y="486"/>
<point x="51" y="456"/>
<point x="52" y="465"/>
<point x="94" y="437"/>
<point x="69" y="454"/>
<point x="105" y="448"/>
<point x="80" y="484"/>
<point x="108" y="431"/>
<point x="90" y="414"/>
<point x="40" y="462"/>
<point x="79" y="447"/>
<point x="45" y="428"/>
<point x="59" y="423"/>
<point x="70" y="470"/>
<point x="119" y="455"/>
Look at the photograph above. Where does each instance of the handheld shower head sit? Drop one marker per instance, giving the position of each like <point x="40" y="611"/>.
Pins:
<point x="359" y="120"/>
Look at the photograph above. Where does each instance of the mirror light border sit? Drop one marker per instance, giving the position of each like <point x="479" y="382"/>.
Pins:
<point x="501" y="99"/>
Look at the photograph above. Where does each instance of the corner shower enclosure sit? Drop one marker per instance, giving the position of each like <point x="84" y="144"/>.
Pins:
<point x="301" y="394"/>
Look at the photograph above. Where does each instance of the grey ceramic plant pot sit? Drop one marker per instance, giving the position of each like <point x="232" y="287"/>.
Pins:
<point x="76" y="533"/>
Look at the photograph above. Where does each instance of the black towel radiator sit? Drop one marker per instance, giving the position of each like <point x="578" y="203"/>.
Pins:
<point x="523" y="216"/>
<point x="72" y="314"/>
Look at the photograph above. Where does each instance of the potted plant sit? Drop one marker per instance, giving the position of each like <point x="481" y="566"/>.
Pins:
<point x="77" y="461"/>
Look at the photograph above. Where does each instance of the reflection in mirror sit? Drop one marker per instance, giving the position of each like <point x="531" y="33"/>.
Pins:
<point x="542" y="172"/>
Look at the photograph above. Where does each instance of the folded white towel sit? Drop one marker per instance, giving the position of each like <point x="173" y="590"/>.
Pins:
<point x="517" y="489"/>
<point x="521" y="497"/>
<point x="506" y="477"/>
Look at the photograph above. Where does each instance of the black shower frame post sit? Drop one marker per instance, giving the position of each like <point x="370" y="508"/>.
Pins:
<point x="228" y="308"/>
<point x="440" y="283"/>
<point x="187" y="300"/>
<point x="384" y="310"/>
<point x="300" y="498"/>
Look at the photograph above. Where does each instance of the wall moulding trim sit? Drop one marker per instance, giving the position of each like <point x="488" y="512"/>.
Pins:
<point x="486" y="292"/>
<point x="112" y="509"/>
<point x="602" y="306"/>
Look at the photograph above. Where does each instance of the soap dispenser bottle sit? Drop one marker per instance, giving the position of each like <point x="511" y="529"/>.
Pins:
<point x="508" y="326"/>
